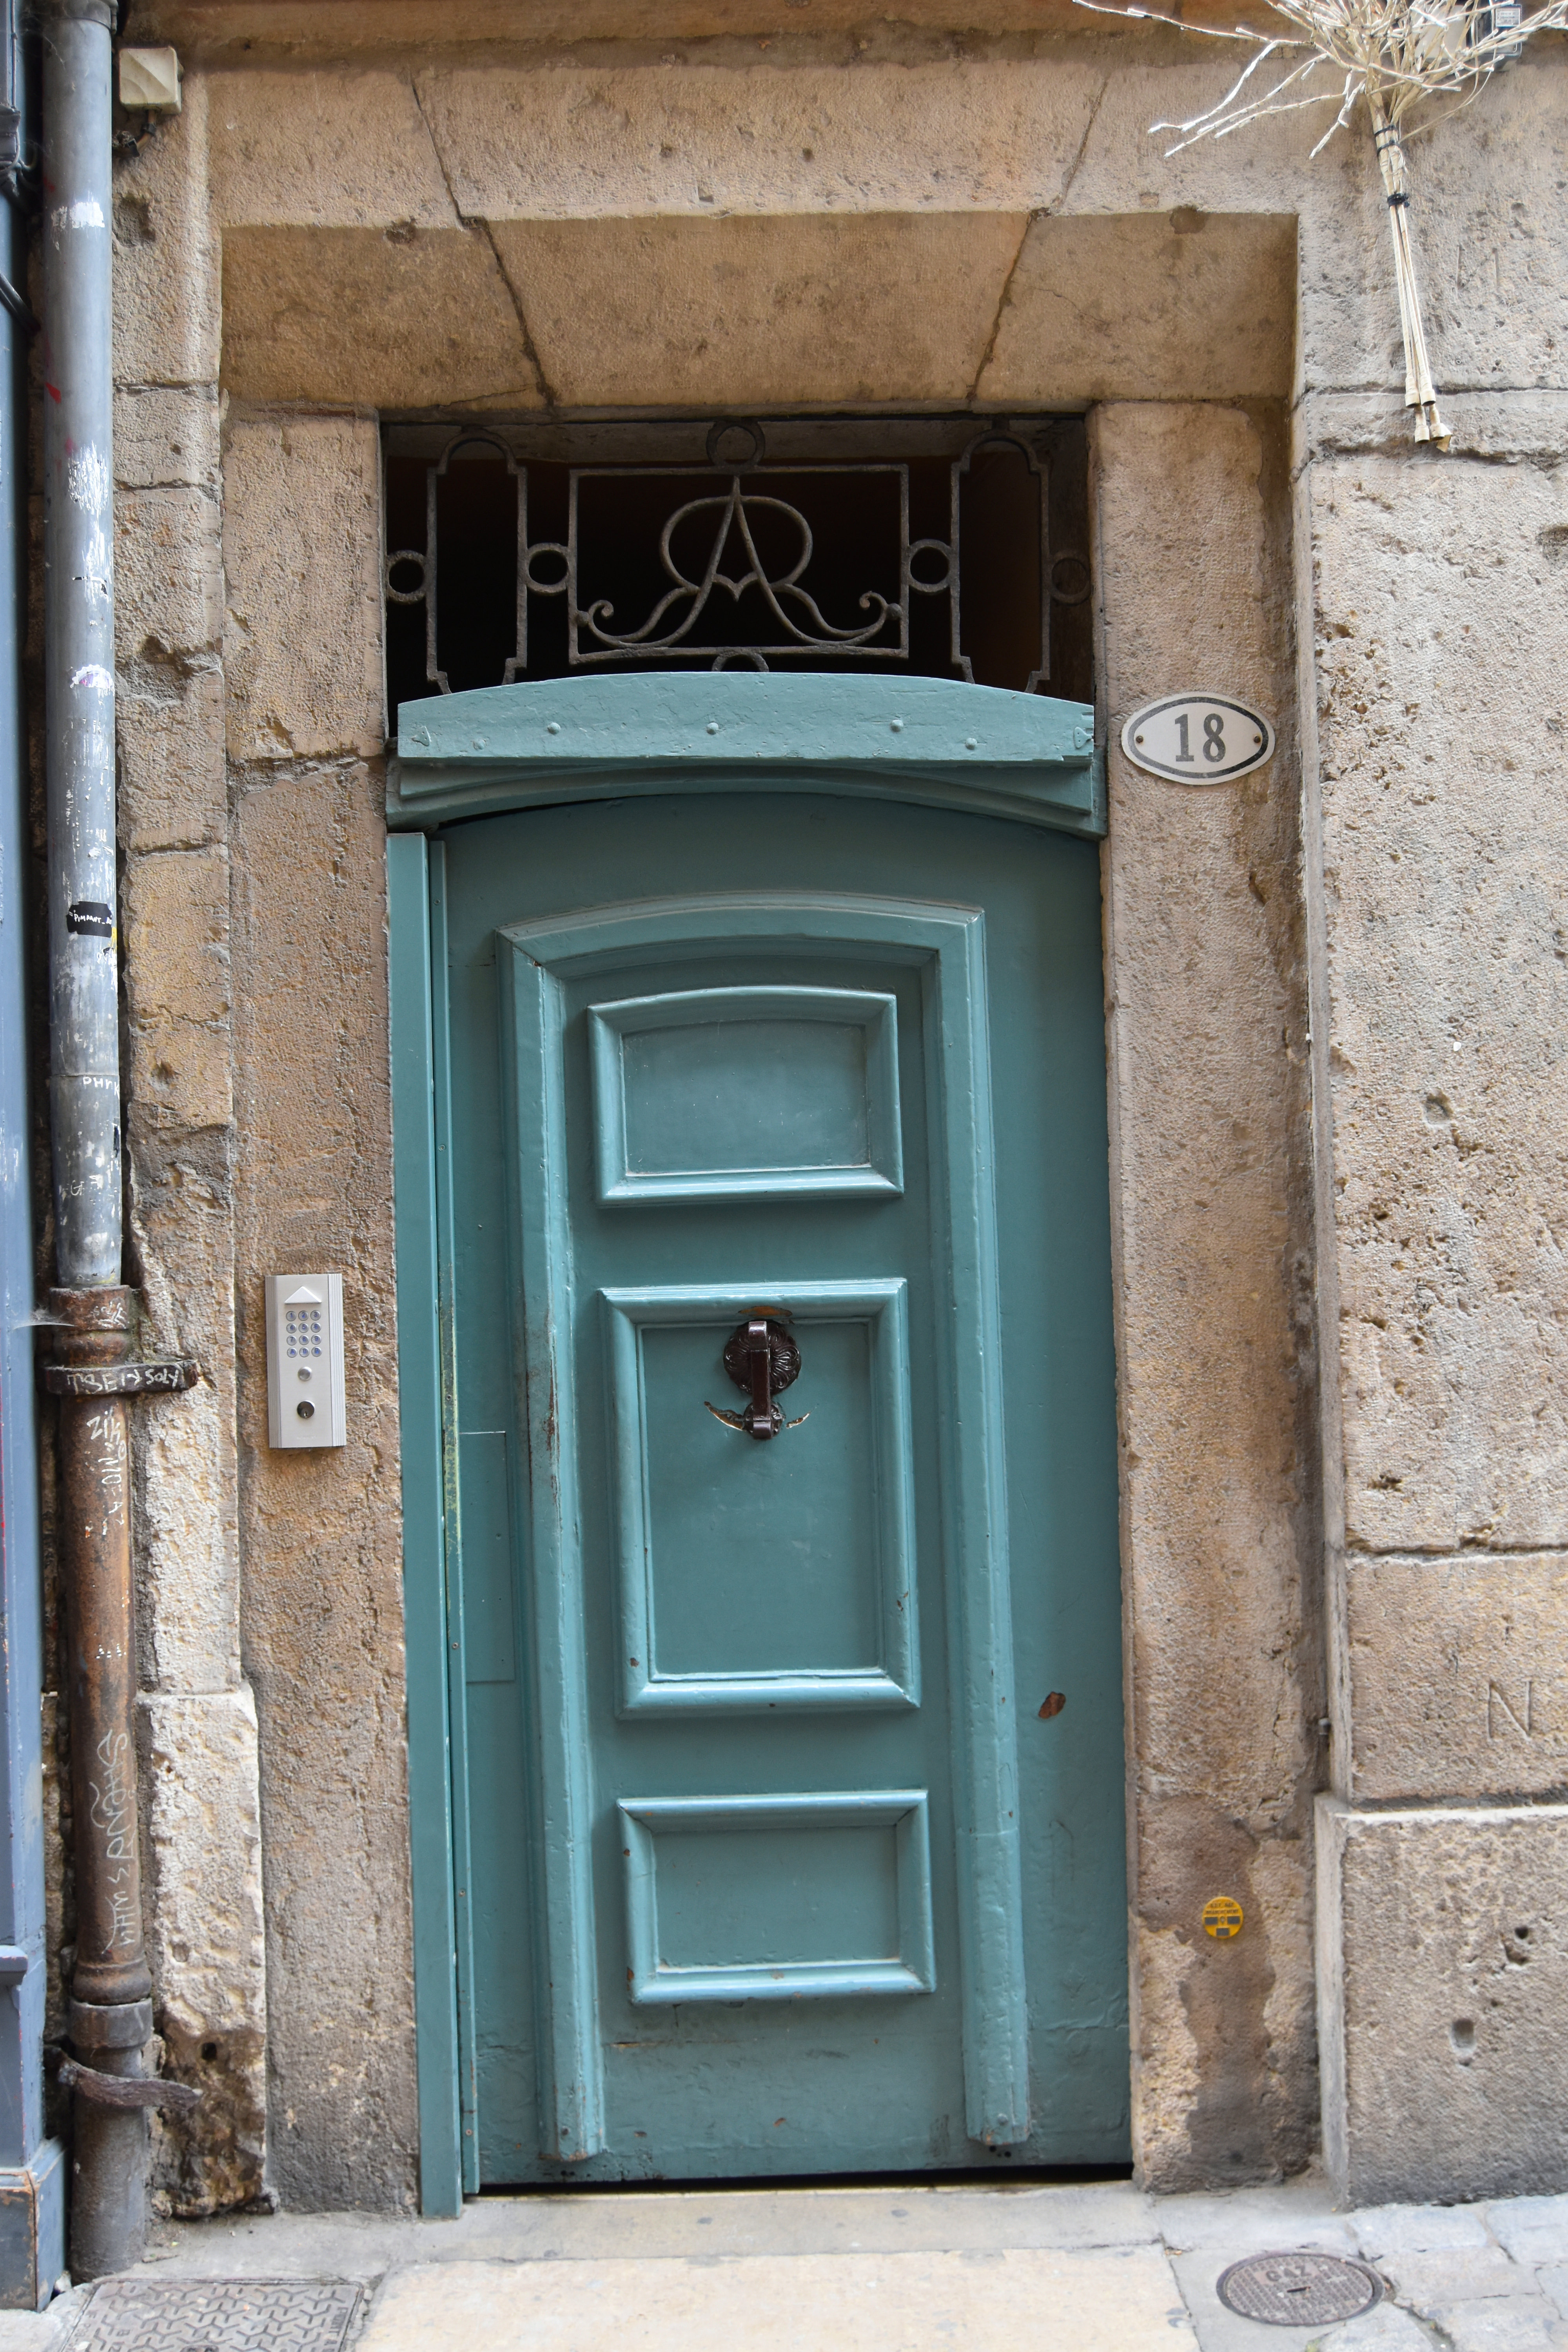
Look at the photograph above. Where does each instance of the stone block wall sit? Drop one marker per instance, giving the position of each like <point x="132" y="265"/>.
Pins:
<point x="1334" y="992"/>
<point x="199" y="1747"/>
<point x="253" y="910"/>
<point x="1213" y="1269"/>
<point x="1438" y="607"/>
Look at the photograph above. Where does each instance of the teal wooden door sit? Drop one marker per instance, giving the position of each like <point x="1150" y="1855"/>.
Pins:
<point x="773" y="1864"/>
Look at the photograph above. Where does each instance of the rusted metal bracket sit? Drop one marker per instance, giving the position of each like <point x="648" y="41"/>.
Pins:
<point x="127" y="2090"/>
<point x="157" y="1378"/>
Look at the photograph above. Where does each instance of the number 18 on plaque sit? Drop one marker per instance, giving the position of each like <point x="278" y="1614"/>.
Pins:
<point x="1197" y="739"/>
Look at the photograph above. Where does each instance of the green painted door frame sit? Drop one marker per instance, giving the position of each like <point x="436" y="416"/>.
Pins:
<point x="921" y="742"/>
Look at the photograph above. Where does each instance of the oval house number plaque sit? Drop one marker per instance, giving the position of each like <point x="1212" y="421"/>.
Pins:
<point x="1198" y="739"/>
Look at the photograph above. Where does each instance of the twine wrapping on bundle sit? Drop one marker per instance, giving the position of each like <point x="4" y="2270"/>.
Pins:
<point x="1395" y="55"/>
<point x="1420" y="392"/>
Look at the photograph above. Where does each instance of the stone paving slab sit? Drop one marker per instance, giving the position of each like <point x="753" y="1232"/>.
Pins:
<point x="1389" y="2231"/>
<point x="1531" y="2229"/>
<point x="1524" y="2324"/>
<point x="1120" y="2300"/>
<point x="1384" y="2329"/>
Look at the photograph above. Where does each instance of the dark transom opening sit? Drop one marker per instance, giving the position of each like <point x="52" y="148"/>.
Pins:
<point x="933" y="547"/>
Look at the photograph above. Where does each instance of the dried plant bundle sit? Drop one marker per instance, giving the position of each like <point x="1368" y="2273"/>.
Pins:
<point x="1396" y="57"/>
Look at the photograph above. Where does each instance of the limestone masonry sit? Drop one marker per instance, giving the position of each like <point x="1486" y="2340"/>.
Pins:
<point x="1337" y="993"/>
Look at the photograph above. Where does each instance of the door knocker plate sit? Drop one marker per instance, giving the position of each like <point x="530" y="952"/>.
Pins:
<point x="762" y="1357"/>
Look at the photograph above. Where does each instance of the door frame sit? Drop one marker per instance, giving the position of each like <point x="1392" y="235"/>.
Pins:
<point x="929" y="740"/>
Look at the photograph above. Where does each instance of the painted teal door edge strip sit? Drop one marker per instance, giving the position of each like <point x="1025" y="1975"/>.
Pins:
<point x="457" y="1653"/>
<point x="571" y="2060"/>
<point x="424" y="1523"/>
<point x="930" y="740"/>
<point x="991" y="1929"/>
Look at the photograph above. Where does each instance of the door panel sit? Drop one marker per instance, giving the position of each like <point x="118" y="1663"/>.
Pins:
<point x="680" y="1113"/>
<point x="778" y="1576"/>
<point x="757" y="1883"/>
<point x="777" y="1898"/>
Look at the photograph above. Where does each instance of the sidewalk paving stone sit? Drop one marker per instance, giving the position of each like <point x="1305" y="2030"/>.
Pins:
<point x="1468" y="2276"/>
<point x="1118" y="2301"/>
<point x="1384" y="2329"/>
<point x="1554" y="2281"/>
<point x="1393" y="2229"/>
<point x="1522" y="2324"/>
<point x="1533" y="2229"/>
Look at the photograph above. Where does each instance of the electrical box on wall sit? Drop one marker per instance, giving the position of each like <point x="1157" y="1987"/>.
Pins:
<point x="305" y="1404"/>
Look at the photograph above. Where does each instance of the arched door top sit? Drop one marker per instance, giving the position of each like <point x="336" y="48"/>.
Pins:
<point x="934" y="740"/>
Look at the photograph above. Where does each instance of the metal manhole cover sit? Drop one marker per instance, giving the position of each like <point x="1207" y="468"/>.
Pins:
<point x="216" y="2315"/>
<point x="1298" y="2290"/>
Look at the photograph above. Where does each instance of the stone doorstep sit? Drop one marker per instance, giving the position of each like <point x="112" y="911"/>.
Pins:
<point x="1100" y="2267"/>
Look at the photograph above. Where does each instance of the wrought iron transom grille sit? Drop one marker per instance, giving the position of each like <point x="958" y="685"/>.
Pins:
<point x="941" y="547"/>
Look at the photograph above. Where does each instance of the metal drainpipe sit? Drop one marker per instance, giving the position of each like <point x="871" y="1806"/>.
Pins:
<point x="110" y="2013"/>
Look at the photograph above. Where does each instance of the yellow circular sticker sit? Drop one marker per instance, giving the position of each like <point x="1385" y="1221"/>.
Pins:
<point x="1222" y="1918"/>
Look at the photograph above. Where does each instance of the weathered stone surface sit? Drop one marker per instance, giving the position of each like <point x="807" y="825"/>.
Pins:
<point x="166" y="313"/>
<point x="169" y="724"/>
<point x="1443" y="2000"/>
<point x="347" y="148"/>
<point x="1397" y="2229"/>
<point x="1458" y="1677"/>
<point x="203" y="1841"/>
<point x="1209" y="1223"/>
<point x="302" y="550"/>
<point x="166" y="438"/>
<point x="1528" y="2325"/>
<point x="180" y="1240"/>
<point x="323" y="1629"/>
<point x="185" y="1518"/>
<point x="1533" y="2229"/>
<point x="738" y="312"/>
<point x="787" y="308"/>
<point x="1485" y="186"/>
<point x="1442" y="641"/>
<point x="175" y="913"/>
<point x="1506" y="425"/>
<point x="1190" y="306"/>
<point x="399" y="317"/>
<point x="1384" y="2329"/>
<point x="814" y="136"/>
<point x="168" y="601"/>
<point x="1462" y="2274"/>
<point x="902" y="133"/>
<point x="302" y="29"/>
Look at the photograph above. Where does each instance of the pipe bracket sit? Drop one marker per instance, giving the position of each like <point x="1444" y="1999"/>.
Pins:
<point x="127" y="2090"/>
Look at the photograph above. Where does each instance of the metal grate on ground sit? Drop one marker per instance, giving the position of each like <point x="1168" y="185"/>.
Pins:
<point x="216" y="2315"/>
<point x="1299" y="2290"/>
